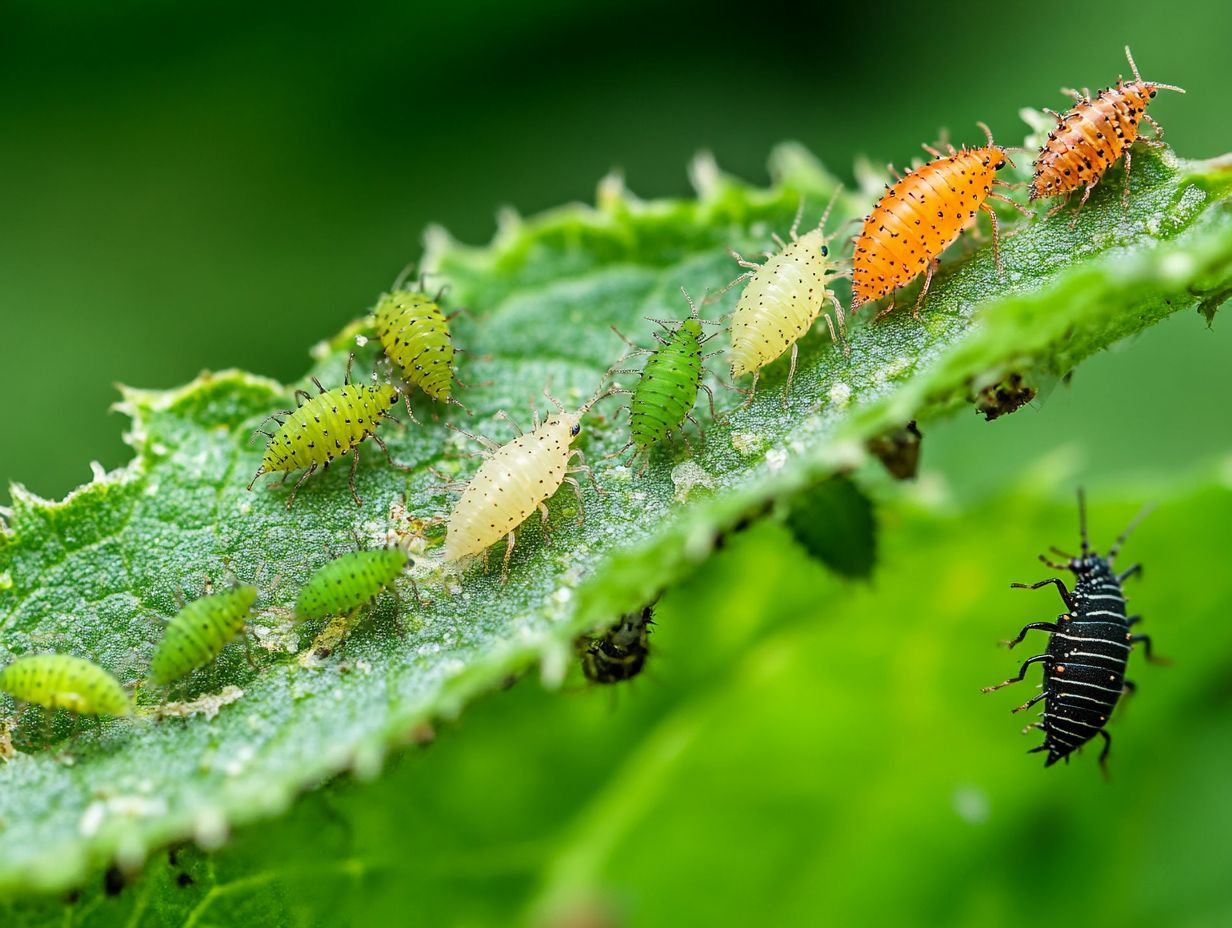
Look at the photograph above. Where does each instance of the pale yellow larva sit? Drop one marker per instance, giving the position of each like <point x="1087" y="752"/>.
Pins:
<point x="783" y="299"/>
<point x="517" y="478"/>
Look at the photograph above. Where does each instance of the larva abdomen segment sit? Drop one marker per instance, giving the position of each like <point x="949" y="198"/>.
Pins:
<point x="918" y="218"/>
<point x="509" y="486"/>
<point x="60" y="681"/>
<point x="348" y="582"/>
<point x="416" y="337"/>
<point x="1088" y="140"/>
<point x="668" y="386"/>
<point x="328" y="426"/>
<point x="780" y="303"/>
<point x="198" y="633"/>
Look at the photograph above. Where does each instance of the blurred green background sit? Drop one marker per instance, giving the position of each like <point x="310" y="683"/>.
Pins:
<point x="194" y="185"/>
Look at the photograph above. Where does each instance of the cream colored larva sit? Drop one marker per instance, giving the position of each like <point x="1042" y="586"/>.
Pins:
<point x="517" y="478"/>
<point x="783" y="299"/>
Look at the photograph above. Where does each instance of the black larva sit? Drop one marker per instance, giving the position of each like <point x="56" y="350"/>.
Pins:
<point x="1088" y="648"/>
<point x="620" y="653"/>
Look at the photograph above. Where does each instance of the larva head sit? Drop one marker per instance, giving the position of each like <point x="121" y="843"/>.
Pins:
<point x="1146" y="90"/>
<point x="691" y="328"/>
<point x="243" y="597"/>
<point x="815" y="243"/>
<point x="992" y="155"/>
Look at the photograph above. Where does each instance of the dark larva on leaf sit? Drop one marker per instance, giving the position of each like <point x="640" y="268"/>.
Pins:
<point x="327" y="426"/>
<point x="667" y="385"/>
<point x="1001" y="399"/>
<point x="1088" y="649"/>
<point x="620" y="653"/>
<point x="198" y="633"/>
<point x="1092" y="136"/>
<point x="60" y="681"/>
<point x="898" y="450"/>
<point x="921" y="216"/>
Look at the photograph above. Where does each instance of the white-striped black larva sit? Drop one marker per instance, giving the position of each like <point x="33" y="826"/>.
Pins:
<point x="517" y="478"/>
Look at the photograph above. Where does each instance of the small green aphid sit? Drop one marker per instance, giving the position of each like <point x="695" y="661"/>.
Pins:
<point x="667" y="385"/>
<point x="198" y="633"/>
<point x="347" y="583"/>
<point x="330" y="425"/>
<point x="415" y="334"/>
<point x="60" y="681"/>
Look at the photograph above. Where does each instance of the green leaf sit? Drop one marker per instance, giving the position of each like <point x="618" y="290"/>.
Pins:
<point x="80" y="575"/>
<point x="834" y="523"/>
<point x="799" y="734"/>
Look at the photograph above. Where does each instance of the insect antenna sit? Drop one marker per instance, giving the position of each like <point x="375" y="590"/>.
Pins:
<point x="1133" y="524"/>
<point x="403" y="275"/>
<point x="1082" y="522"/>
<point x="1138" y="77"/>
<point x="821" y="223"/>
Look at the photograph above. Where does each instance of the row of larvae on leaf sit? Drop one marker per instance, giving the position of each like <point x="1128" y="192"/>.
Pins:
<point x="196" y="635"/>
<point x="913" y="223"/>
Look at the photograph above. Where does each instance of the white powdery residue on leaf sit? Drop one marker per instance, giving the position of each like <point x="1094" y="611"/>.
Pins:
<point x="128" y="807"/>
<point x="207" y="705"/>
<point x="363" y="666"/>
<point x="688" y="477"/>
<point x="747" y="442"/>
<point x="840" y="395"/>
<point x="361" y="340"/>
<point x="776" y="458"/>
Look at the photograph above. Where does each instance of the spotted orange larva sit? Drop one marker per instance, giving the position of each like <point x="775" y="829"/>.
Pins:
<point x="1092" y="136"/>
<point x="921" y="216"/>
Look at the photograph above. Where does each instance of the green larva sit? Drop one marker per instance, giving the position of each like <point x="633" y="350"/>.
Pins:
<point x="60" y="681"/>
<point x="346" y="583"/>
<point x="327" y="426"/>
<point x="667" y="384"/>
<point x="199" y="632"/>
<point x="415" y="334"/>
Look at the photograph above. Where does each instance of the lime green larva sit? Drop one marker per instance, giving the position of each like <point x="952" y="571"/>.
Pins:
<point x="346" y="583"/>
<point x="199" y="632"/>
<point x="327" y="426"/>
<point x="415" y="334"/>
<point x="60" y="681"/>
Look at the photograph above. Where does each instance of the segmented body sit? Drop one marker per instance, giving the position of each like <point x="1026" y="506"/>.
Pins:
<point x="1092" y="136"/>
<point x="918" y="218"/>
<point x="509" y="485"/>
<point x="348" y="582"/>
<point x="1089" y="139"/>
<point x="328" y="426"/>
<point x="1084" y="674"/>
<point x="667" y="389"/>
<point x="782" y="300"/>
<point x="1088" y="650"/>
<point x="621" y="653"/>
<point x="60" y="681"/>
<point x="198" y="633"/>
<point x="415" y="334"/>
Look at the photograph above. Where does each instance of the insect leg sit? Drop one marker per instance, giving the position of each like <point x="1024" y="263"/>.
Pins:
<point x="1133" y="620"/>
<point x="1103" y="755"/>
<point x="584" y="468"/>
<point x="1030" y="702"/>
<point x="351" y="476"/>
<point x="791" y="371"/>
<point x="752" y="390"/>
<point x="577" y="491"/>
<point x="256" y="477"/>
<point x="248" y="649"/>
<point x="1022" y="672"/>
<point x="1136" y="569"/>
<point x="743" y="263"/>
<point x="1146" y="646"/>
<point x="406" y="469"/>
<point x="1036" y="626"/>
<point x="406" y="397"/>
<point x="928" y="279"/>
<point x="1086" y="193"/>
<point x="505" y="562"/>
<point x="842" y="321"/>
<point x="517" y="429"/>
<point x="709" y="396"/>
<point x="1129" y="160"/>
<point x="1060" y="206"/>
<point x="299" y="483"/>
<point x="996" y="238"/>
<point x="1035" y="586"/>
<point x="544" y="517"/>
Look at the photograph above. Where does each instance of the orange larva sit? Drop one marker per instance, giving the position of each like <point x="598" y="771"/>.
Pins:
<point x="1092" y="136"/>
<point x="921" y="216"/>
